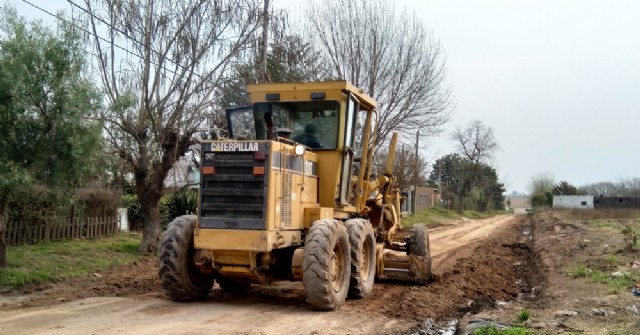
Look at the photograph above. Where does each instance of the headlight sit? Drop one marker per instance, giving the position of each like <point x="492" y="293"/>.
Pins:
<point x="299" y="150"/>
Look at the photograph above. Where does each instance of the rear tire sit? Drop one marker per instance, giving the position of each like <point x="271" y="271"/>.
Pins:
<point x="363" y="257"/>
<point x="420" y="246"/>
<point x="327" y="265"/>
<point x="178" y="274"/>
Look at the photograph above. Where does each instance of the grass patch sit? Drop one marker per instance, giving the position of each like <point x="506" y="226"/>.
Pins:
<point x="616" y="284"/>
<point x="603" y="224"/>
<point x="579" y="271"/>
<point x="37" y="263"/>
<point x="601" y="214"/>
<point x="431" y="217"/>
<point x="493" y="330"/>
<point x="438" y="215"/>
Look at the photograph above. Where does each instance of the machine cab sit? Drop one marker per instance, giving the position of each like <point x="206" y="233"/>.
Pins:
<point x="331" y="119"/>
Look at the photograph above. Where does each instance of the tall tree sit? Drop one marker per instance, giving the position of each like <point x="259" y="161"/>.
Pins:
<point x="290" y="58"/>
<point x="452" y="171"/>
<point x="162" y="89"/>
<point x="476" y="141"/>
<point x="565" y="188"/>
<point x="49" y="135"/>
<point x="476" y="144"/>
<point x="541" y="189"/>
<point x="476" y="182"/>
<point x="391" y="55"/>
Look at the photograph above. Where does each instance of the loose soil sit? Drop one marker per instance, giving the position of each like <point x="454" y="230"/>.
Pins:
<point x="560" y="303"/>
<point x="475" y="264"/>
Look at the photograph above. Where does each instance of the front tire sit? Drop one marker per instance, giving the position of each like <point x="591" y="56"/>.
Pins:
<point x="326" y="265"/>
<point x="178" y="274"/>
<point x="363" y="257"/>
<point x="420" y="246"/>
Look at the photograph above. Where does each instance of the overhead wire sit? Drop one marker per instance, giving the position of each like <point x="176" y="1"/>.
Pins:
<point x="97" y="36"/>
<point x="127" y="35"/>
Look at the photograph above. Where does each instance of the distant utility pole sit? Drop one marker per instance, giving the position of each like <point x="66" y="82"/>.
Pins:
<point x="415" y="174"/>
<point x="440" y="179"/>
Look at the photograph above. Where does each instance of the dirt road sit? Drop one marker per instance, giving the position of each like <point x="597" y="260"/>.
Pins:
<point x="265" y="310"/>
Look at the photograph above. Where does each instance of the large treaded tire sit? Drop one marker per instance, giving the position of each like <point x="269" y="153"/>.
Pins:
<point x="326" y="264"/>
<point x="363" y="257"/>
<point x="420" y="245"/>
<point x="178" y="275"/>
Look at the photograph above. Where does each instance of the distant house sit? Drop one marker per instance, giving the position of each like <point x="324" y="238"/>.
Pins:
<point x="616" y="202"/>
<point x="426" y="197"/>
<point x="573" y="201"/>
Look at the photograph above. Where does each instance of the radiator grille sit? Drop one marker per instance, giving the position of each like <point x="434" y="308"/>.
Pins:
<point x="233" y="197"/>
<point x="285" y="210"/>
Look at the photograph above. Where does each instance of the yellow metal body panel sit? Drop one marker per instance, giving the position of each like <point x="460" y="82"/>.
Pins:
<point x="301" y="188"/>
<point x="318" y="213"/>
<point x="245" y="240"/>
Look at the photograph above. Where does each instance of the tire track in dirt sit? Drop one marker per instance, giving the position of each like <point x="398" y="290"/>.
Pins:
<point x="470" y="263"/>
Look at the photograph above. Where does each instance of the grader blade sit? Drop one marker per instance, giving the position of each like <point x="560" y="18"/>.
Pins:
<point x="397" y="265"/>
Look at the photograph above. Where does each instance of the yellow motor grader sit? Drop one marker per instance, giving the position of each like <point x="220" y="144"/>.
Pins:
<point x="291" y="194"/>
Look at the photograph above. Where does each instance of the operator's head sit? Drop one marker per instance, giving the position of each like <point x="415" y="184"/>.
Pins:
<point x="311" y="129"/>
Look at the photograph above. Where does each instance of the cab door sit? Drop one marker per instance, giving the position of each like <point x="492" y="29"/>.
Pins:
<point x="348" y="152"/>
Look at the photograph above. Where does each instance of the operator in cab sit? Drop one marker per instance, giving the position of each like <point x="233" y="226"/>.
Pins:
<point x="309" y="137"/>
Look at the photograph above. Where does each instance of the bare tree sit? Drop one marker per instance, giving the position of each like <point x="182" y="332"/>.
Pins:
<point x="392" y="56"/>
<point x="624" y="187"/>
<point x="541" y="183"/>
<point x="160" y="63"/>
<point x="476" y="142"/>
<point x="407" y="169"/>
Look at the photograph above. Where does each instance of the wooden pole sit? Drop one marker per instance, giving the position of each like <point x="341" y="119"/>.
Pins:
<point x="264" y="77"/>
<point x="415" y="175"/>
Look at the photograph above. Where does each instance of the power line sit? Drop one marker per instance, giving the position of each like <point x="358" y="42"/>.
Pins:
<point x="94" y="34"/>
<point x="127" y="35"/>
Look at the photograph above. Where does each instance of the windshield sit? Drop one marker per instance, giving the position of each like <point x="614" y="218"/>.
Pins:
<point x="312" y="123"/>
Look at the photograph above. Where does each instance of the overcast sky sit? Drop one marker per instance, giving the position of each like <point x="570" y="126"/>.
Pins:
<point x="557" y="80"/>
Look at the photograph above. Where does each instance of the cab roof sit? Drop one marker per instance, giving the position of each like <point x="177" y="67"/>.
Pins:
<point x="320" y="86"/>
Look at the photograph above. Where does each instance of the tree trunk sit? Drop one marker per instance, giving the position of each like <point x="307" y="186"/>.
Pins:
<point x="151" y="225"/>
<point x="460" y="204"/>
<point x="3" y="219"/>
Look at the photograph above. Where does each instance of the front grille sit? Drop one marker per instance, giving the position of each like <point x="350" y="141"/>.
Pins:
<point x="233" y="197"/>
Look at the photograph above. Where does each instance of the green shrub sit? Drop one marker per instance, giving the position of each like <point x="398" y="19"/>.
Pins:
<point x="182" y="202"/>
<point x="523" y="315"/>
<point x="493" y="330"/>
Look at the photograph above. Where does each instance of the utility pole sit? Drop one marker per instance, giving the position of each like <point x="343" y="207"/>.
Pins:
<point x="415" y="173"/>
<point x="263" y="47"/>
<point x="440" y="180"/>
